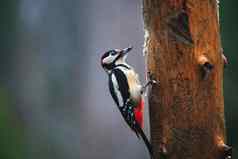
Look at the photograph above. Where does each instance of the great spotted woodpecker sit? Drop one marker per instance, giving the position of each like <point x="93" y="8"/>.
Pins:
<point x="126" y="90"/>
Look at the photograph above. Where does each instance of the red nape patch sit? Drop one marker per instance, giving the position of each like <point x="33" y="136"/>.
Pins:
<point x="139" y="111"/>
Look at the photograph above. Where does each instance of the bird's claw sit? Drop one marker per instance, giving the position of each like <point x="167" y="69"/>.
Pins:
<point x="152" y="79"/>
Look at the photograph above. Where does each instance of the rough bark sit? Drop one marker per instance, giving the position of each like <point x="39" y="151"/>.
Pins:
<point x="183" y="50"/>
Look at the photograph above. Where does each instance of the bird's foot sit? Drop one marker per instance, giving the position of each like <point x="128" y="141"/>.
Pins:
<point x="150" y="82"/>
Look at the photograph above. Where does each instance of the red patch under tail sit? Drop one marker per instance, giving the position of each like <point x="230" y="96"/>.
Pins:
<point x="139" y="112"/>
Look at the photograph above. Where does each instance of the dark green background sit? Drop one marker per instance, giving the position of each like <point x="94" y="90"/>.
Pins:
<point x="229" y="34"/>
<point x="12" y="143"/>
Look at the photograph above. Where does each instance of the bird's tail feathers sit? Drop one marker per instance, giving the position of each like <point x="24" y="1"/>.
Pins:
<point x="145" y="139"/>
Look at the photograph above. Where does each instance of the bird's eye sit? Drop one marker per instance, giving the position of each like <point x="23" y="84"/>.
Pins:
<point x="113" y="53"/>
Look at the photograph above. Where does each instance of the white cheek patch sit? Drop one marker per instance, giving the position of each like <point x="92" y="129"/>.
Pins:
<point x="109" y="59"/>
<point x="116" y="90"/>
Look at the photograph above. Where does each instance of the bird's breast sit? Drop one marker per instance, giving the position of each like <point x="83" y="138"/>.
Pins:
<point x="134" y="85"/>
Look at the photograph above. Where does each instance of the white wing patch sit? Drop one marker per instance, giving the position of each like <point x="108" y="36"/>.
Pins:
<point x="116" y="90"/>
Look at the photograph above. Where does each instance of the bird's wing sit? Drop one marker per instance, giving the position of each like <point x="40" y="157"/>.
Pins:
<point x="120" y="92"/>
<point x="119" y="87"/>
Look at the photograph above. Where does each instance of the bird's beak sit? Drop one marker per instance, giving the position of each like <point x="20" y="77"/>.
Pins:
<point x="125" y="51"/>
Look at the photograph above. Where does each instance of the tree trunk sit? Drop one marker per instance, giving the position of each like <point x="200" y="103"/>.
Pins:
<point x="183" y="50"/>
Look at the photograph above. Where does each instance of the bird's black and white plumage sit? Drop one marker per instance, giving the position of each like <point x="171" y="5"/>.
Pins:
<point x="126" y="90"/>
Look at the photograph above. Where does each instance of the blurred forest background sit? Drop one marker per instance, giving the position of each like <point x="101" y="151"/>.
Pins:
<point x="54" y="100"/>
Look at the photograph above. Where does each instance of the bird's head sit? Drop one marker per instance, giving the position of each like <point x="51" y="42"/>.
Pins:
<point x="112" y="58"/>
